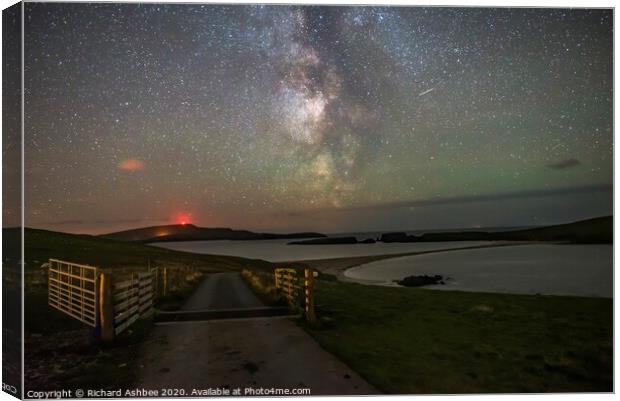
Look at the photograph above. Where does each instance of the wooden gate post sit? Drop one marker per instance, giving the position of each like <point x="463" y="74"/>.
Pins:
<point x="309" y="295"/>
<point x="165" y="281"/>
<point x="106" y="307"/>
<point x="156" y="282"/>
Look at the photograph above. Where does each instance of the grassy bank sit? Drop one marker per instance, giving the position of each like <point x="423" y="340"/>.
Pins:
<point x="180" y="293"/>
<point x="406" y="340"/>
<point x="263" y="285"/>
<point x="40" y="245"/>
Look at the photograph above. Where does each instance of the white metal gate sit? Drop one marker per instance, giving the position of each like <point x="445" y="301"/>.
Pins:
<point x="73" y="289"/>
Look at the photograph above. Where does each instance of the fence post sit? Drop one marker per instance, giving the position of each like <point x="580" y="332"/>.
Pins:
<point x="106" y="307"/>
<point x="165" y="281"/>
<point x="156" y="281"/>
<point x="308" y="295"/>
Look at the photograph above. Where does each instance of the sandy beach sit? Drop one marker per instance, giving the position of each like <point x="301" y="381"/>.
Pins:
<point x="337" y="266"/>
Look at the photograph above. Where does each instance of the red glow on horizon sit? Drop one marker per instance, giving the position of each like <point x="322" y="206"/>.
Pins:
<point x="183" y="219"/>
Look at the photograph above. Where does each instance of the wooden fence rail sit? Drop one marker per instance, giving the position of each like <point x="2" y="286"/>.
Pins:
<point x="287" y="283"/>
<point x="297" y="289"/>
<point x="169" y="279"/>
<point x="132" y="300"/>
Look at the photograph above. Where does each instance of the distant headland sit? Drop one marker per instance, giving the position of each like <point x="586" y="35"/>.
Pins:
<point x="190" y="232"/>
<point x="592" y="231"/>
<point x="596" y="230"/>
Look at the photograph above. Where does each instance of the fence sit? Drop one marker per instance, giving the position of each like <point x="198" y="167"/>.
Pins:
<point x="169" y="279"/>
<point x="133" y="299"/>
<point x="89" y="295"/>
<point x="298" y="290"/>
<point x="73" y="289"/>
<point x="31" y="278"/>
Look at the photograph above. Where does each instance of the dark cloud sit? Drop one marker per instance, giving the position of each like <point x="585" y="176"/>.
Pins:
<point x="564" y="164"/>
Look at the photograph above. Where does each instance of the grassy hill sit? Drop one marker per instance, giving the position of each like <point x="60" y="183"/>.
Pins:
<point x="40" y="245"/>
<point x="190" y="232"/>
<point x="597" y="230"/>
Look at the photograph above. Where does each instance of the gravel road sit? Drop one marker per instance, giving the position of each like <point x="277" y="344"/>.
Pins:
<point x="269" y="352"/>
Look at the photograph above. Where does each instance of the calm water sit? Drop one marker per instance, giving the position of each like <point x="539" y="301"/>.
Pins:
<point x="278" y="251"/>
<point x="583" y="270"/>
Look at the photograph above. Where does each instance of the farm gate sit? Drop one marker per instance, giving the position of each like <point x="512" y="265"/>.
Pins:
<point x="89" y="295"/>
<point x="297" y="289"/>
<point x="73" y="289"/>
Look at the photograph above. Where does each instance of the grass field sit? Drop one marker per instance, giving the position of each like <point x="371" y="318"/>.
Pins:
<point x="406" y="340"/>
<point x="40" y="245"/>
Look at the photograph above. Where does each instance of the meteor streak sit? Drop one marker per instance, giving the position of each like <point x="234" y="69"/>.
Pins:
<point x="426" y="92"/>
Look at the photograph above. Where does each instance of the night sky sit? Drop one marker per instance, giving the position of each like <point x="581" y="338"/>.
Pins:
<point x="335" y="119"/>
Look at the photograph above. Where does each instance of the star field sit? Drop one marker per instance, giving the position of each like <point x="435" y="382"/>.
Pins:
<point x="323" y="118"/>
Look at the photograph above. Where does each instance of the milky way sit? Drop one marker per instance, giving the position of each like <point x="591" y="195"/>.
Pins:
<point x="325" y="118"/>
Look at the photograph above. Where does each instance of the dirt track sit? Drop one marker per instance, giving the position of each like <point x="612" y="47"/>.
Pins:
<point x="240" y="353"/>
